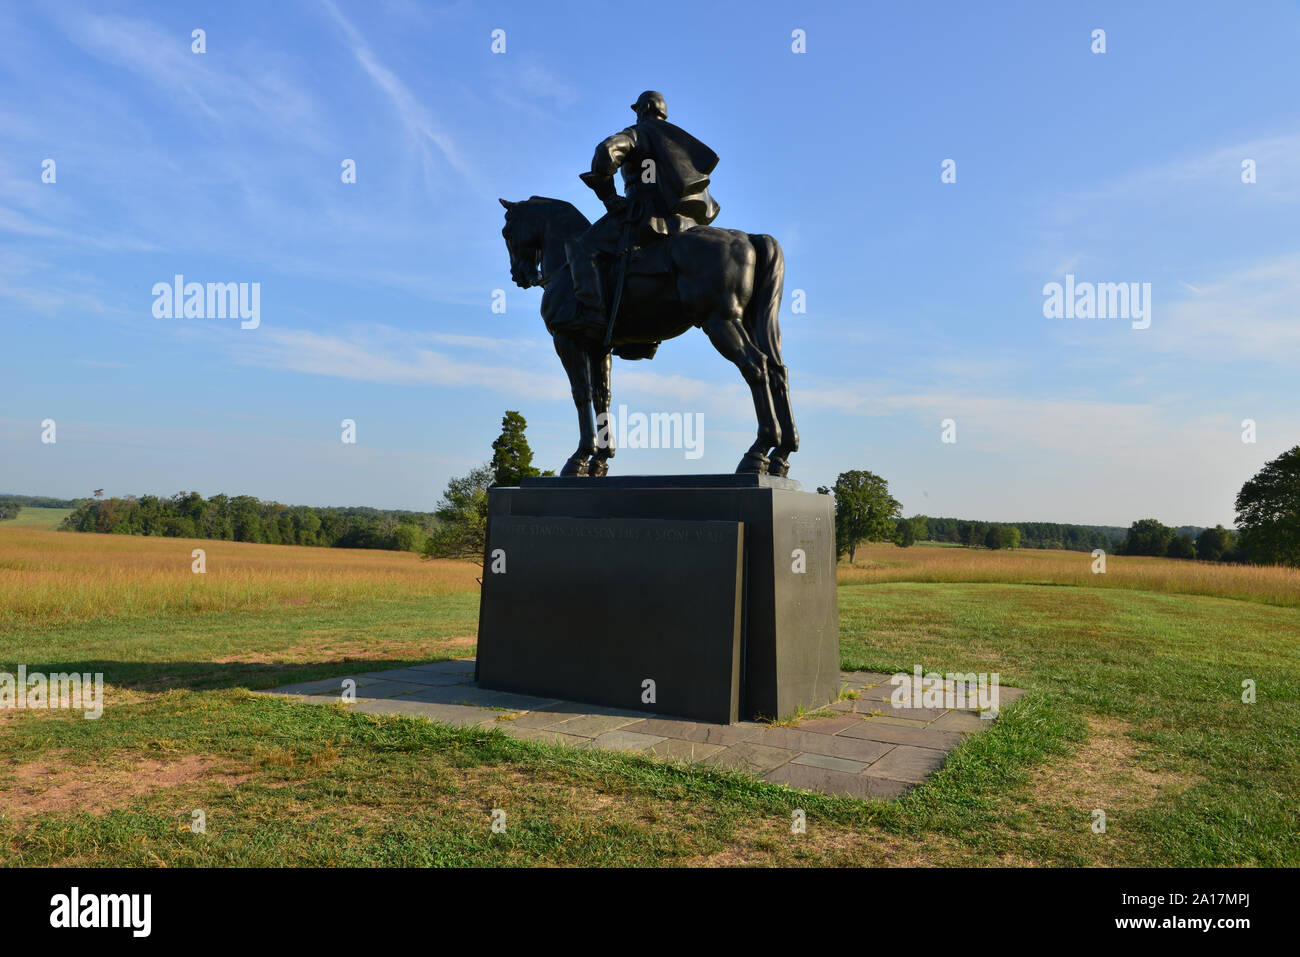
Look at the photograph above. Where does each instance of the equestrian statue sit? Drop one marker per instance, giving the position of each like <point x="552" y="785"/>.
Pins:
<point x="648" y="270"/>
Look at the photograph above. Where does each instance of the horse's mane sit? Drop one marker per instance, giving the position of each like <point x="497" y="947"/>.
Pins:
<point x="568" y="215"/>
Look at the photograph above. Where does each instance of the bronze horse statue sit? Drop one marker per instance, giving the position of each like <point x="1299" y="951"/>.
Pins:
<point x="728" y="283"/>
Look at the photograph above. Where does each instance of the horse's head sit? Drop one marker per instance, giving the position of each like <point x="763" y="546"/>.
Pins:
<point x="524" y="238"/>
<point x="535" y="232"/>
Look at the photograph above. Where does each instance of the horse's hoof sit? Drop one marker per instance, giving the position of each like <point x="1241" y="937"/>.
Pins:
<point x="755" y="462"/>
<point x="598" y="467"/>
<point x="779" y="467"/>
<point x="574" y="468"/>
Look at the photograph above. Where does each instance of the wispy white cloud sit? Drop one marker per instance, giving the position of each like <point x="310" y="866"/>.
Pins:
<point x="245" y="93"/>
<point x="32" y="286"/>
<point x="995" y="421"/>
<point x="379" y="356"/>
<point x="390" y="356"/>
<point x="418" y="120"/>
<point x="12" y="221"/>
<point x="484" y="342"/>
<point x="1277" y="160"/>
<point x="1252" y="313"/>
<point x="527" y="86"/>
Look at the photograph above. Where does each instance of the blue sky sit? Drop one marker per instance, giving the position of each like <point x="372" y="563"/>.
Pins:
<point x="924" y="299"/>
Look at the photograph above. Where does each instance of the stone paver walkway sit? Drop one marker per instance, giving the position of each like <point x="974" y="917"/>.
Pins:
<point x="860" y="746"/>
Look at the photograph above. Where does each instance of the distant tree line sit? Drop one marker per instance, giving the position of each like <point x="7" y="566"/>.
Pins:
<point x="1268" y="524"/>
<point x="1267" y="532"/>
<point x="1218" y="544"/>
<point x="243" y="518"/>
<point x="1078" y="538"/>
<point x="41" y="501"/>
<point x="9" y="509"/>
<point x="1145" y="537"/>
<point x="455" y="530"/>
<point x="866" y="512"/>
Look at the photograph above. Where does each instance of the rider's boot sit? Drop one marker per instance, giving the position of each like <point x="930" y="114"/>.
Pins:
<point x="587" y="289"/>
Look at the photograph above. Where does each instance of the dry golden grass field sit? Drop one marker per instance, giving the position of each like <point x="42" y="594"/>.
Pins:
<point x="51" y="577"/>
<point x="928" y="563"/>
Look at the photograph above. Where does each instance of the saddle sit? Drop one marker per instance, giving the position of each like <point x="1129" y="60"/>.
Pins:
<point x="649" y="260"/>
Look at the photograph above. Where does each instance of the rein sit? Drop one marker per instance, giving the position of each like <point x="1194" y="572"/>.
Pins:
<point x="540" y="252"/>
<point x="544" y="278"/>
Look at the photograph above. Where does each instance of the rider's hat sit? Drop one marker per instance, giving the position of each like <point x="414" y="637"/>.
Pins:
<point x="651" y="99"/>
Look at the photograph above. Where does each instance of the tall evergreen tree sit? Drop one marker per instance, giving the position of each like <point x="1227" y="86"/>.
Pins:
<point x="512" y="459"/>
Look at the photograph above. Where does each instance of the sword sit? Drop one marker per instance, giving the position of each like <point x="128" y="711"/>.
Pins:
<point x="625" y="253"/>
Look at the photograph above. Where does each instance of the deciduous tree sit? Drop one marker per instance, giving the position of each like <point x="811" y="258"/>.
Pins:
<point x="462" y="513"/>
<point x="864" y="510"/>
<point x="1148" y="537"/>
<point x="1268" y="512"/>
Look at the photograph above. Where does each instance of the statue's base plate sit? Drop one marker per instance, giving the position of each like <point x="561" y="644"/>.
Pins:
<point x="719" y="480"/>
<point x="708" y="597"/>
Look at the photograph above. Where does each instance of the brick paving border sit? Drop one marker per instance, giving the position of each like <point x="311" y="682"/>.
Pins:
<point x="865" y="748"/>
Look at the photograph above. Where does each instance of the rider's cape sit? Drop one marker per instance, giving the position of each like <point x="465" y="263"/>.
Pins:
<point x="683" y="165"/>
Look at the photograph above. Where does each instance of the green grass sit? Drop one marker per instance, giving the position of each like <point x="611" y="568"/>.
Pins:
<point x="1134" y="708"/>
<point x="250" y="649"/>
<point x="1168" y="669"/>
<point x="46" y="518"/>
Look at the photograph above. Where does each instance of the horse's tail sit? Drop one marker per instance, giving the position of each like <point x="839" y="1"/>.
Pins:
<point x="762" y="322"/>
<point x="763" y="311"/>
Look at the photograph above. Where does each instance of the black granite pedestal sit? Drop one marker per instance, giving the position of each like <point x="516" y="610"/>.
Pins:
<point x="703" y="596"/>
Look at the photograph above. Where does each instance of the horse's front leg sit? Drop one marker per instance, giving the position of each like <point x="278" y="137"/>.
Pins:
<point x="573" y="353"/>
<point x="600" y="361"/>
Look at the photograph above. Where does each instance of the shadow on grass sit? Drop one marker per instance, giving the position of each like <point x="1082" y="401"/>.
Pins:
<point x="154" y="676"/>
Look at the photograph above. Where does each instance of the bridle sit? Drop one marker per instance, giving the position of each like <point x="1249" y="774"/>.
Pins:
<point x="544" y="278"/>
<point x="537" y="253"/>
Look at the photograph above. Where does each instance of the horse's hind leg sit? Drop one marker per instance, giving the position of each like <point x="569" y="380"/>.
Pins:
<point x="573" y="354"/>
<point x="599" y="362"/>
<point x="729" y="338"/>
<point x="780" y="387"/>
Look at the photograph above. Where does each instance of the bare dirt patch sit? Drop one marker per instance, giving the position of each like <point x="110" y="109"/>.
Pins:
<point x="53" y="785"/>
<point x="487" y="787"/>
<point x="769" y="842"/>
<point x="342" y="651"/>
<point x="1109" y="771"/>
